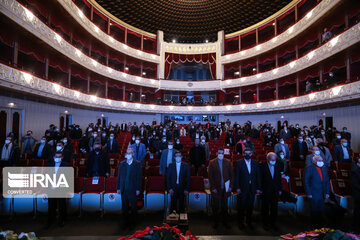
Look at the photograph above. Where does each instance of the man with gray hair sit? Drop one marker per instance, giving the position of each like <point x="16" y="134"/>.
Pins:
<point x="317" y="188"/>
<point x="271" y="189"/>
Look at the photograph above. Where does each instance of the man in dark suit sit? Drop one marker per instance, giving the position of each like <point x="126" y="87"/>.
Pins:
<point x="355" y="177"/>
<point x="68" y="145"/>
<point x="123" y="126"/>
<point x="317" y="188"/>
<point x="139" y="150"/>
<point x="112" y="145"/>
<point x="129" y="186"/>
<point x="67" y="155"/>
<point x="282" y="146"/>
<point x="42" y="150"/>
<point x="167" y="157"/>
<point x="57" y="203"/>
<point x="342" y="152"/>
<point x="247" y="183"/>
<point x="197" y="155"/>
<point x="9" y="153"/>
<point x="300" y="149"/>
<point x="178" y="182"/>
<point x="285" y="133"/>
<point x="98" y="162"/>
<point x="271" y="188"/>
<point x="221" y="178"/>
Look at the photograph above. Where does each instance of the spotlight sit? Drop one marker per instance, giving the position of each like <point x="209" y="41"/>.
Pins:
<point x="206" y="41"/>
<point x="174" y="41"/>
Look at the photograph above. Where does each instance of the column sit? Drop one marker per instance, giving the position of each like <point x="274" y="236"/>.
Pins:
<point x="140" y="95"/>
<point x="277" y="89"/>
<point x="321" y="71"/>
<point x="16" y="53"/>
<point x="276" y="59"/>
<point x="297" y="51"/>
<point x="348" y="66"/>
<point x="46" y="67"/>
<point x="88" y="83"/>
<point x="142" y="42"/>
<point x="106" y="88"/>
<point x="124" y="92"/>
<point x="257" y="93"/>
<point x="91" y="12"/>
<point x="276" y="27"/>
<point x="296" y="13"/>
<point x="108" y="26"/>
<point x="257" y="36"/>
<point x="69" y="77"/>
<point x="240" y="99"/>
<point x="297" y="85"/>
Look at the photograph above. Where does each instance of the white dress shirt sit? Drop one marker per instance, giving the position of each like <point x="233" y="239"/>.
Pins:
<point x="248" y="165"/>
<point x="178" y="166"/>
<point x="346" y="152"/>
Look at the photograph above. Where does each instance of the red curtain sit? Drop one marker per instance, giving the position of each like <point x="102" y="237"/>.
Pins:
<point x="209" y="58"/>
<point x="335" y="63"/>
<point x="56" y="63"/>
<point x="30" y="49"/>
<point x="310" y="73"/>
<point x="267" y="85"/>
<point x="287" y="81"/>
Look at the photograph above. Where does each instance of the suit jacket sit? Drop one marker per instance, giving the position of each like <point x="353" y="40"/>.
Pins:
<point x="103" y="164"/>
<point x="184" y="176"/>
<point x="192" y="156"/>
<point x="270" y="187"/>
<point x="355" y="180"/>
<point x="14" y="155"/>
<point x="163" y="160"/>
<point x="278" y="149"/>
<point x="247" y="183"/>
<point x="285" y="135"/>
<point x="313" y="184"/>
<point x="135" y="177"/>
<point x="141" y="154"/>
<point x="339" y="153"/>
<point x="115" y="146"/>
<point x="296" y="150"/>
<point x="215" y="175"/>
<point x="46" y="152"/>
<point x="207" y="150"/>
<point x="324" y="157"/>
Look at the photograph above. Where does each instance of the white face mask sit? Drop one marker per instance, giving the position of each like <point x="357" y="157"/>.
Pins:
<point x="128" y="156"/>
<point x="320" y="164"/>
<point x="170" y="146"/>
<point x="282" y="142"/>
<point x="57" y="160"/>
<point x="137" y="141"/>
<point x="95" y="135"/>
<point x="7" y="141"/>
<point x="164" y="140"/>
<point x="133" y="138"/>
<point x="301" y="140"/>
<point x="89" y="129"/>
<point x="282" y="156"/>
<point x="272" y="163"/>
<point x="111" y="137"/>
<point x="221" y="156"/>
<point x="338" y="137"/>
<point x="65" y="140"/>
<point x="58" y="148"/>
<point x="177" y="142"/>
<point x="104" y="135"/>
<point x="317" y="152"/>
<point x="42" y="141"/>
<point x="178" y="159"/>
<point x="203" y="141"/>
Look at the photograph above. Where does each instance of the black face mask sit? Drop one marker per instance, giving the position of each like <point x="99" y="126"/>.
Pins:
<point x="97" y="150"/>
<point x="247" y="156"/>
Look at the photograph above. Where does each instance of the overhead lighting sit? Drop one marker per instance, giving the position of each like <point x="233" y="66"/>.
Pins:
<point x="336" y="90"/>
<point x="236" y="96"/>
<point x="142" y="95"/>
<point x="56" y="87"/>
<point x="275" y="70"/>
<point x="254" y="69"/>
<point x="11" y="104"/>
<point x="274" y="39"/>
<point x="144" y="73"/>
<point x="125" y="46"/>
<point x="66" y="112"/>
<point x="81" y="14"/>
<point x="292" y="64"/>
<point x="276" y="102"/>
<point x="58" y="38"/>
<point x="27" y="77"/>
<point x="102" y="115"/>
<point x="312" y="96"/>
<point x="291" y="29"/>
<point x="273" y="24"/>
<point x="206" y="41"/>
<point x="139" y="52"/>
<point x="237" y="73"/>
<point x="126" y="68"/>
<point x="93" y="98"/>
<point x="258" y="47"/>
<point x="174" y="41"/>
<point x="77" y="93"/>
<point x="29" y="14"/>
<point x="109" y="101"/>
<point x="324" y="114"/>
<point x="228" y="107"/>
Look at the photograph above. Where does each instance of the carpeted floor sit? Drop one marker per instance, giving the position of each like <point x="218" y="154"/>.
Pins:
<point x="91" y="224"/>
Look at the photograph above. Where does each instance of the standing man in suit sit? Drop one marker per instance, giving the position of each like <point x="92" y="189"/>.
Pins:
<point x="206" y="147"/>
<point x="317" y="152"/>
<point x="317" y="188"/>
<point x="342" y="152"/>
<point x="112" y="145"/>
<point x="221" y="183"/>
<point x="247" y="183"/>
<point x="42" y="150"/>
<point x="124" y="126"/>
<point x="282" y="146"/>
<point x="325" y="151"/>
<point x="197" y="155"/>
<point x="355" y="179"/>
<point x="57" y="203"/>
<point x="10" y="153"/>
<point x="285" y="133"/>
<point x="271" y="188"/>
<point x="129" y="186"/>
<point x="178" y="183"/>
<point x="139" y="150"/>
<point x="167" y="157"/>
<point x="299" y="149"/>
<point x="98" y="164"/>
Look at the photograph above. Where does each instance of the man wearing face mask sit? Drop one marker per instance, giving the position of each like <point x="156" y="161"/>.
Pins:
<point x="247" y="184"/>
<point x="178" y="182"/>
<point x="271" y="188"/>
<point x="300" y="149"/>
<point x="317" y="189"/>
<point x="325" y="151"/>
<point x="317" y="152"/>
<point x="197" y="155"/>
<point x="178" y="146"/>
<point x="129" y="181"/>
<point x="42" y="150"/>
<point x="68" y="145"/>
<point x="342" y="152"/>
<point x="57" y="203"/>
<point x="284" y="162"/>
<point x="67" y="155"/>
<point x="98" y="163"/>
<point x="285" y="133"/>
<point x="282" y="146"/>
<point x="206" y="147"/>
<point x="345" y="134"/>
<point x="221" y="178"/>
<point x="28" y="142"/>
<point x="337" y="139"/>
<point x="355" y="180"/>
<point x="112" y="145"/>
<point x="139" y="150"/>
<point x="10" y="153"/>
<point x="94" y="138"/>
<point x="167" y="157"/>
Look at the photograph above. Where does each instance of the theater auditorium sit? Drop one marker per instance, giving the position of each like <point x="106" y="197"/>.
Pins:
<point x="180" y="119"/>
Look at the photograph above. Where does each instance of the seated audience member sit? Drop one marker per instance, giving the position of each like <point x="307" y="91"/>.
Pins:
<point x="345" y="134"/>
<point x="42" y="150"/>
<point x="326" y="35"/>
<point x="284" y="147"/>
<point x="284" y="162"/>
<point x="167" y="157"/>
<point x="129" y="182"/>
<point x="139" y="150"/>
<point x="355" y="179"/>
<point x="325" y="152"/>
<point x="28" y="142"/>
<point x="10" y="153"/>
<point x="271" y="188"/>
<point x="317" y="189"/>
<point x="178" y="146"/>
<point x="269" y="140"/>
<point x="178" y="183"/>
<point x="57" y="204"/>
<point x="206" y="147"/>
<point x="98" y="164"/>
<point x="342" y="152"/>
<point x="112" y="145"/>
<point x="221" y="179"/>
<point x="299" y="149"/>
<point x="240" y="146"/>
